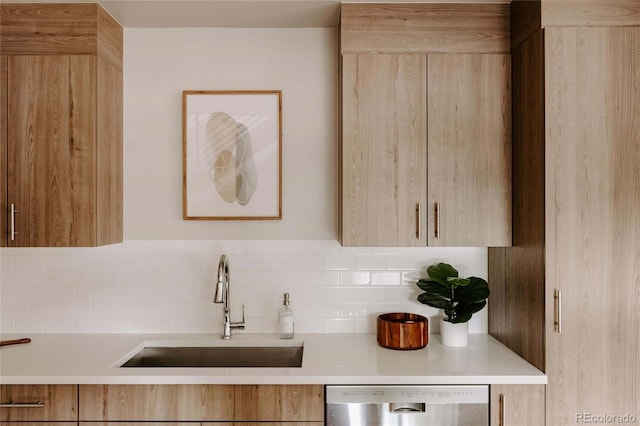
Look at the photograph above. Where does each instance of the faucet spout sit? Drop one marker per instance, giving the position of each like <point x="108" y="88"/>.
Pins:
<point x="222" y="287"/>
<point x="222" y="296"/>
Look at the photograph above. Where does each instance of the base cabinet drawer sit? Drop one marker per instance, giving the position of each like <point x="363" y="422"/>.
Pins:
<point x="38" y="403"/>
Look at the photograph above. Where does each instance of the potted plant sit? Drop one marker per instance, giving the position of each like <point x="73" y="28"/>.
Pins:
<point x="460" y="298"/>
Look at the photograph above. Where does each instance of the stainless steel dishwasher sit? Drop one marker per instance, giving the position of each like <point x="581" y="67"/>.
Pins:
<point x="407" y="405"/>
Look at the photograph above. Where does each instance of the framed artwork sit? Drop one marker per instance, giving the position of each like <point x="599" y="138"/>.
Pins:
<point x="232" y="155"/>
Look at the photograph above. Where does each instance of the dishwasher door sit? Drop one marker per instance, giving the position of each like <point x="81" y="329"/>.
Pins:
<point x="407" y="405"/>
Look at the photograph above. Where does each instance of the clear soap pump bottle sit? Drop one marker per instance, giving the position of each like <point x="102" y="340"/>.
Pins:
<point x="285" y="316"/>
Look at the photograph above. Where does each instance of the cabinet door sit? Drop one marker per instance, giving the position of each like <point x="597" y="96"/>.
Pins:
<point x="383" y="156"/>
<point x="47" y="403"/>
<point x="517" y="405"/>
<point x="592" y="88"/>
<point x="51" y="149"/>
<point x="284" y="403"/>
<point x="4" y="224"/>
<point x="469" y="150"/>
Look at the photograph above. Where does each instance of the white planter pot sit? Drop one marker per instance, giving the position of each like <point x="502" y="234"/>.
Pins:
<point x="454" y="334"/>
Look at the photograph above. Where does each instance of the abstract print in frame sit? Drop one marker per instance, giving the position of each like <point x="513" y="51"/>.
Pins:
<point x="232" y="155"/>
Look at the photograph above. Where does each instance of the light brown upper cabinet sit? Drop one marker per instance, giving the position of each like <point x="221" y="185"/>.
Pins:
<point x="426" y="125"/>
<point x="61" y="115"/>
<point x="426" y="157"/>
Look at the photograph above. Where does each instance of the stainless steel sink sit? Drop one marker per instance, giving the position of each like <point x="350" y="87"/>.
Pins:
<point x="217" y="356"/>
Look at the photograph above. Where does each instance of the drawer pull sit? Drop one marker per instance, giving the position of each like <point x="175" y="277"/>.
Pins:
<point x="557" y="320"/>
<point x="418" y="221"/>
<point x="13" y="232"/>
<point x="436" y="211"/>
<point x="12" y="404"/>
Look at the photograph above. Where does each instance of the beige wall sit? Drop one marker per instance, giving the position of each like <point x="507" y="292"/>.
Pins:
<point x="160" y="63"/>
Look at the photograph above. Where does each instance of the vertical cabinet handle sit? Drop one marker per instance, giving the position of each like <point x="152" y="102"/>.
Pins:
<point x="418" y="221"/>
<point x="501" y="411"/>
<point x="557" y="311"/>
<point x="13" y="222"/>
<point x="436" y="211"/>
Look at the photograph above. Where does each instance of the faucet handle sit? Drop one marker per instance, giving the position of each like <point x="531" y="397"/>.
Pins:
<point x="239" y="325"/>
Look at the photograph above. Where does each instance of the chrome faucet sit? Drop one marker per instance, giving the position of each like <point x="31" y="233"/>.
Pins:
<point x="222" y="296"/>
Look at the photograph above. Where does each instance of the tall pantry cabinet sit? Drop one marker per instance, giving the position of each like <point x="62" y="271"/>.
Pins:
<point x="61" y="136"/>
<point x="566" y="296"/>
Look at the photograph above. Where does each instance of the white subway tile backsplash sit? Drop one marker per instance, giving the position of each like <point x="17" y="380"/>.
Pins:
<point x="16" y="309"/>
<point x="61" y="294"/>
<point x="46" y="310"/>
<point x="91" y="325"/>
<point x="348" y="278"/>
<point x="340" y="325"/>
<point x="46" y="278"/>
<point x="61" y="326"/>
<point x="29" y="325"/>
<point x="30" y="294"/>
<point x="308" y="263"/>
<point x="7" y="263"/>
<point x="108" y="310"/>
<point x="340" y="263"/>
<point x="277" y="263"/>
<point x="168" y="286"/>
<point x="371" y="262"/>
<point x="324" y="278"/>
<point x="386" y="278"/>
<point x="251" y="262"/>
<point x="15" y="278"/>
<point x="76" y="310"/>
<point x="60" y="263"/>
<point x="293" y="278"/>
<point x="30" y="263"/>
<point x="264" y="247"/>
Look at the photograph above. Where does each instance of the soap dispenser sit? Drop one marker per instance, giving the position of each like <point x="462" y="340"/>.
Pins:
<point x="285" y="317"/>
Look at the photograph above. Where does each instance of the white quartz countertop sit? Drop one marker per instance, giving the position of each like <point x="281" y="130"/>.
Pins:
<point x="327" y="359"/>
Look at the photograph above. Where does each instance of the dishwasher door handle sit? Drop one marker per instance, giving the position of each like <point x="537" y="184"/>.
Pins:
<point x="407" y="407"/>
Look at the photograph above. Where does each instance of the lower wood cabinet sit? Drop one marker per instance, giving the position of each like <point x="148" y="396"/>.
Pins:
<point x="517" y="405"/>
<point x="156" y="402"/>
<point x="45" y="403"/>
<point x="145" y="424"/>
<point x="259" y="424"/>
<point x="202" y="403"/>
<point x="279" y="403"/>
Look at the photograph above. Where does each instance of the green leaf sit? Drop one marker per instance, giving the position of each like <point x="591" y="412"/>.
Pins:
<point x="435" y="301"/>
<point x="469" y="308"/>
<point x="434" y="287"/>
<point x="476" y="291"/>
<point x="440" y="272"/>
<point x="459" y="282"/>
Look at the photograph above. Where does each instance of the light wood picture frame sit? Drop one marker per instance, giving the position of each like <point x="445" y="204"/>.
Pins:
<point x="232" y="154"/>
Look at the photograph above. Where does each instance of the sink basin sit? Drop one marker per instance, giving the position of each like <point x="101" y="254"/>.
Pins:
<point x="217" y="356"/>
